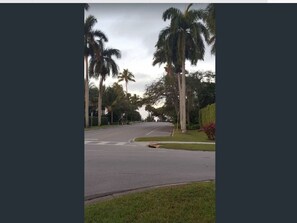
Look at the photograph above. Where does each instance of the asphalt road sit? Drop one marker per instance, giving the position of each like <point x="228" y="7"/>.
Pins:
<point x="113" y="163"/>
<point x="126" y="133"/>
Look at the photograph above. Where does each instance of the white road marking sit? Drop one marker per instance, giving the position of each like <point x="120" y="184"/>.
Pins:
<point x="120" y="143"/>
<point x="151" y="131"/>
<point x="101" y="143"/>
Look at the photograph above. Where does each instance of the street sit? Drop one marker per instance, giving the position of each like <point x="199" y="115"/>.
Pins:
<point x="113" y="163"/>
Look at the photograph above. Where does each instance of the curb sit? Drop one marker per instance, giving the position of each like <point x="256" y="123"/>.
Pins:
<point x="115" y="194"/>
<point x="132" y="140"/>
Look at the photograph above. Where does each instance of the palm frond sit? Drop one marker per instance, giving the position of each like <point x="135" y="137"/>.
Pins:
<point x="195" y="15"/>
<point x="213" y="49"/>
<point x="188" y="8"/>
<point x="163" y="35"/>
<point x="91" y="67"/>
<point x="100" y="34"/>
<point x="89" y="23"/>
<point x="109" y="52"/>
<point x="171" y="13"/>
<point x="111" y="67"/>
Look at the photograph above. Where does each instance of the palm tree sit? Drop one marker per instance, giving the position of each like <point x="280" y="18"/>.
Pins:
<point x="183" y="40"/>
<point x="93" y="95"/>
<point x="114" y="100"/>
<point x="101" y="66"/>
<point x="126" y="76"/>
<point x="167" y="54"/>
<point x="209" y="19"/>
<point x="89" y="50"/>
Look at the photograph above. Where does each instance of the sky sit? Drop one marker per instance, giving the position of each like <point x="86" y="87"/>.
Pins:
<point x="134" y="30"/>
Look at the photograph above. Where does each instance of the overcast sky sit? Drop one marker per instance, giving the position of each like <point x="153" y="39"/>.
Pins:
<point x="134" y="30"/>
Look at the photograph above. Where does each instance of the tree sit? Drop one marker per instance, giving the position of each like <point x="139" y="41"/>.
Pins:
<point x="93" y="96"/>
<point x="163" y="90"/>
<point x="126" y="76"/>
<point x="200" y="93"/>
<point x="118" y="103"/>
<point x="89" y="50"/>
<point x="209" y="19"/>
<point x="112" y="98"/>
<point x="182" y="39"/>
<point x="101" y="66"/>
<point x="136" y="101"/>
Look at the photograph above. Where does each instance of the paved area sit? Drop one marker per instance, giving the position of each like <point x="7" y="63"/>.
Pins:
<point x="97" y="142"/>
<point x="126" y="133"/>
<point x="113" y="163"/>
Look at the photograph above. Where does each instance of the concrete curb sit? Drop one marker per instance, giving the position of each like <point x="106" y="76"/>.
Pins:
<point x="174" y="142"/>
<point x="111" y="195"/>
<point x="180" y="142"/>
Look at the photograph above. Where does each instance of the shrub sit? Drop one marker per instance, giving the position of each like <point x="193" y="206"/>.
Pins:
<point x="94" y="120"/>
<point x="104" y="120"/>
<point x="207" y="115"/>
<point x="193" y="126"/>
<point x="210" y="131"/>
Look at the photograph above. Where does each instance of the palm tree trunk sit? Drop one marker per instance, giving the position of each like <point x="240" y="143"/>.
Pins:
<point x="111" y="117"/>
<point x="127" y="87"/>
<point x="198" y="104"/>
<point x="100" y="101"/>
<point x="183" y="90"/>
<point x="183" y="101"/>
<point x="175" y="77"/>
<point x="86" y="93"/>
<point x="188" y="108"/>
<point x="180" y="96"/>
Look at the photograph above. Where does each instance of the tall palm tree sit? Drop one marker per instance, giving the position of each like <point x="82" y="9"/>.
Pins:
<point x="183" y="40"/>
<point x="167" y="54"/>
<point x="102" y="66"/>
<point x="90" y="48"/>
<point x="126" y="76"/>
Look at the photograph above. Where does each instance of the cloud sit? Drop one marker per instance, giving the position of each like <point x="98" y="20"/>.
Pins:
<point x="134" y="29"/>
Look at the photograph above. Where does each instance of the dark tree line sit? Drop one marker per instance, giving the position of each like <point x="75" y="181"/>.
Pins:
<point x="200" y="93"/>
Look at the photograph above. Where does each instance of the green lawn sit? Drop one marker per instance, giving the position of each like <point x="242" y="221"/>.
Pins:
<point x="194" y="147"/>
<point x="178" y="204"/>
<point x="190" y="136"/>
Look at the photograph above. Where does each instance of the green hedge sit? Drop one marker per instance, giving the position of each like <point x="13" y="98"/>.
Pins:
<point x="207" y="115"/>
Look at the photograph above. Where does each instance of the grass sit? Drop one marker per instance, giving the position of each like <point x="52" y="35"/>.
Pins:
<point x="187" y="203"/>
<point x="193" y="147"/>
<point x="190" y="136"/>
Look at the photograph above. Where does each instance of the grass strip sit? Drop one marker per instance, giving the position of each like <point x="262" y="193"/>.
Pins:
<point x="192" y="147"/>
<point x="189" y="136"/>
<point x="185" y="203"/>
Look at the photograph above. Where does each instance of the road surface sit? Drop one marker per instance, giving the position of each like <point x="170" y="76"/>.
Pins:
<point x="113" y="163"/>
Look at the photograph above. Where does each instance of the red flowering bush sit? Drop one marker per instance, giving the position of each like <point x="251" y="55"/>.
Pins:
<point x="210" y="131"/>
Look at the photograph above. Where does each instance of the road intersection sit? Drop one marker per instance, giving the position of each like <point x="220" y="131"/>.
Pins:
<point x="114" y="163"/>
